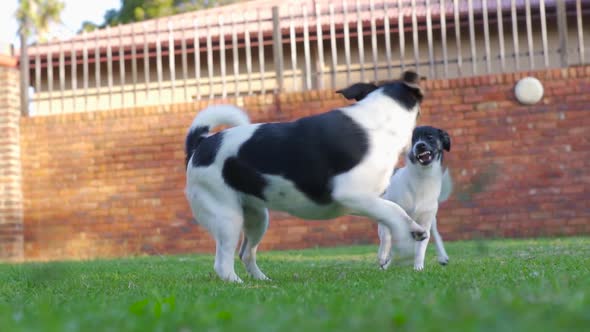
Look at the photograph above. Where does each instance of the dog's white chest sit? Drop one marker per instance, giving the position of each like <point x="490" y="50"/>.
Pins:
<point x="418" y="196"/>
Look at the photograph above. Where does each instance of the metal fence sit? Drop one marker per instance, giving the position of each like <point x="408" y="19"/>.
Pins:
<point x="296" y="46"/>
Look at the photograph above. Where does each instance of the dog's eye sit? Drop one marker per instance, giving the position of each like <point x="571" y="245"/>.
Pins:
<point x="429" y="137"/>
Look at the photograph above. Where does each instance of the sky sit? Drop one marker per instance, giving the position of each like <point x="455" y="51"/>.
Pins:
<point x="75" y="12"/>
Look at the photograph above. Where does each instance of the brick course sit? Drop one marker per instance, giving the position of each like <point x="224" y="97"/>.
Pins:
<point x="111" y="183"/>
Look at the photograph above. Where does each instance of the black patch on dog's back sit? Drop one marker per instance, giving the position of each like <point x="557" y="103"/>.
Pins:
<point x="243" y="177"/>
<point x="309" y="152"/>
<point x="205" y="153"/>
<point x="193" y="139"/>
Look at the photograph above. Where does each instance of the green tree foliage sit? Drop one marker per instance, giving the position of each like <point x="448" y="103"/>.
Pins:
<point x="139" y="10"/>
<point x="35" y="17"/>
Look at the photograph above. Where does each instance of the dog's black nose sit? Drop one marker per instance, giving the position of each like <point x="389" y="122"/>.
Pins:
<point x="420" y="146"/>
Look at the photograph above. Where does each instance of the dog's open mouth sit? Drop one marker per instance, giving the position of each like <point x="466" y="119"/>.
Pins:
<point x="424" y="157"/>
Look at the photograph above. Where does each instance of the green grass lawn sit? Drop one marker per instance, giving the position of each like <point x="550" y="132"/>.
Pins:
<point x="503" y="285"/>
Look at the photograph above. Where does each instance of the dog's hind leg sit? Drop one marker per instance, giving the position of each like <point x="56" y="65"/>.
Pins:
<point x="227" y="239"/>
<point x="441" y="253"/>
<point x="221" y="214"/>
<point x="255" y="225"/>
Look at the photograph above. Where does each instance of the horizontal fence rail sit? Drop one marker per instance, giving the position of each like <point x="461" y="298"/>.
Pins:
<point x="269" y="47"/>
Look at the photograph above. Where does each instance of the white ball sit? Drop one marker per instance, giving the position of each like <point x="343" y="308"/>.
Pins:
<point x="528" y="90"/>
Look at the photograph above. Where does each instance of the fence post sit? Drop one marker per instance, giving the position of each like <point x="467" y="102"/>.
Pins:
<point x="11" y="198"/>
<point x="277" y="47"/>
<point x="24" y="76"/>
<point x="562" y="30"/>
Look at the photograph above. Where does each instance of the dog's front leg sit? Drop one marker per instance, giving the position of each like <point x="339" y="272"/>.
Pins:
<point x="385" y="241"/>
<point x="420" y="253"/>
<point x="382" y="211"/>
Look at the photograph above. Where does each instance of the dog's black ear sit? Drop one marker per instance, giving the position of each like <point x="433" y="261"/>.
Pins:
<point x="445" y="139"/>
<point x="358" y="91"/>
<point x="412" y="80"/>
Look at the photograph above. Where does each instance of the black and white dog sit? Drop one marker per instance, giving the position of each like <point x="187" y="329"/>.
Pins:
<point x="418" y="188"/>
<point x="318" y="167"/>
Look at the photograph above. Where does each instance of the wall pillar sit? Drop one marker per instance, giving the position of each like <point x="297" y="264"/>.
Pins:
<point x="11" y="198"/>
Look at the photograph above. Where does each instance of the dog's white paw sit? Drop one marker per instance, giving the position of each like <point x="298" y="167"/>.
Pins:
<point x="233" y="278"/>
<point x="443" y="260"/>
<point x="418" y="267"/>
<point x="261" y="276"/>
<point x="384" y="263"/>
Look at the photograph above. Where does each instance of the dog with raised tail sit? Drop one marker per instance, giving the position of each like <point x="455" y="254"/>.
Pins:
<point x="418" y="188"/>
<point x="318" y="167"/>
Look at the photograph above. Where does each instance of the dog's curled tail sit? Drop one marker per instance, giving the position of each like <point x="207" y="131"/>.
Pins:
<point x="209" y="118"/>
<point x="447" y="186"/>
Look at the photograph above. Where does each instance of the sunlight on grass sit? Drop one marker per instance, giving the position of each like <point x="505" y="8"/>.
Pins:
<point x="498" y="285"/>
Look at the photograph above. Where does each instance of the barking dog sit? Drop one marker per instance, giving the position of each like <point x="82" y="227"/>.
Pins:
<point x="318" y="167"/>
<point x="418" y="188"/>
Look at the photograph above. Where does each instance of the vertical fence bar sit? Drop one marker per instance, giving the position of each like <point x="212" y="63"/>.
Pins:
<point x="62" y="76"/>
<point x="429" y="38"/>
<point x="159" y="69"/>
<point x="97" y="79"/>
<point x="402" y="33"/>
<point x="529" y="34"/>
<point x="235" y="55"/>
<point x="293" y="43"/>
<point x="146" y="61"/>
<point x="121" y="66"/>
<point x="360" y="41"/>
<point x="458" y="37"/>
<point x="387" y="30"/>
<point x="74" y="74"/>
<point x="277" y="47"/>
<point x="37" y="72"/>
<point x="515" y="34"/>
<point x="171" y="60"/>
<point x="501" y="35"/>
<point x="261" y="53"/>
<point x="472" y="36"/>
<point x="346" y="40"/>
<point x="544" y="32"/>
<point x="580" y="31"/>
<point x="197" y="56"/>
<point x="210" y="58"/>
<point x="333" y="51"/>
<point x="248" y="52"/>
<point x="320" y="42"/>
<point x="374" y="41"/>
<point x="443" y="36"/>
<point x="415" y="40"/>
<point x="134" y="63"/>
<point x="50" y="79"/>
<point x="85" y="69"/>
<point x="109" y="67"/>
<point x="184" y="59"/>
<point x="563" y="35"/>
<point x="222" y="56"/>
<point x="306" y="50"/>
<point x="486" y="34"/>
<point x="24" y="74"/>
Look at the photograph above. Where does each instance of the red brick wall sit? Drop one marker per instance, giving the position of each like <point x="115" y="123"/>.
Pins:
<point x="11" y="208"/>
<point x="111" y="183"/>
